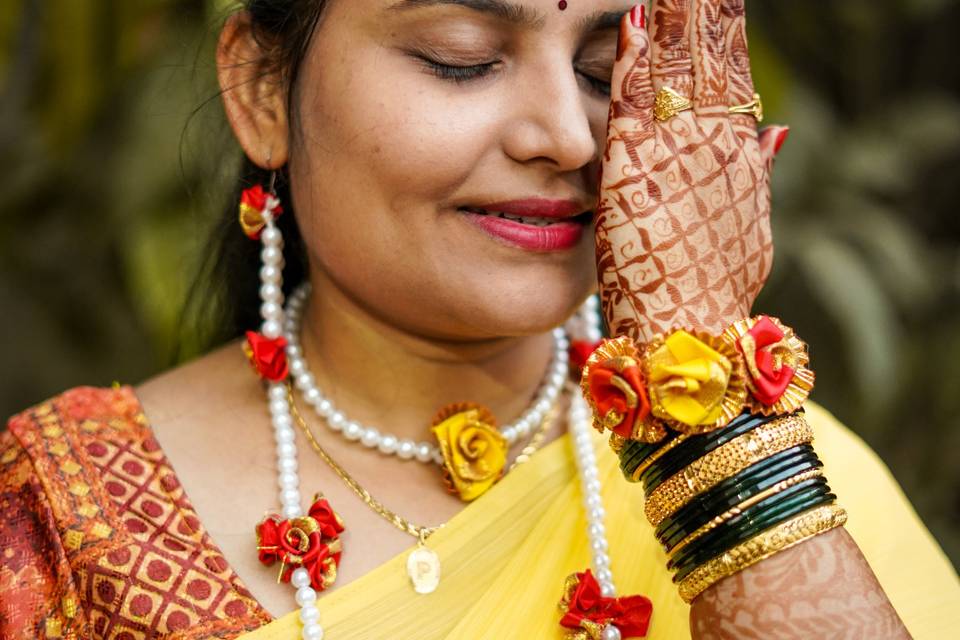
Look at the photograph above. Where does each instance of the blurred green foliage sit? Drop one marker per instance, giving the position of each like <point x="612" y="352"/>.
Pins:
<point x="116" y="159"/>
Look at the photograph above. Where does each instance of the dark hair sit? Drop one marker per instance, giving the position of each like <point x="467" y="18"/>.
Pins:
<point x="223" y="300"/>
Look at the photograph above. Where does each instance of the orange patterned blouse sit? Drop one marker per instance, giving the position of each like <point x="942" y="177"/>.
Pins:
<point x="98" y="539"/>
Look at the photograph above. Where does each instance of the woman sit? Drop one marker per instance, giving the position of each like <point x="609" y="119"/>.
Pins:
<point x="398" y="135"/>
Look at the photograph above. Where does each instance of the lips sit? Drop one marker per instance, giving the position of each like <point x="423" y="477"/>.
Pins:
<point x="533" y="225"/>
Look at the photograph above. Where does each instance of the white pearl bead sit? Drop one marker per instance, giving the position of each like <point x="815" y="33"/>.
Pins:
<point x="312" y="631"/>
<point x="306" y="595"/>
<point x="305" y="381"/>
<point x="277" y="392"/>
<point x="293" y="349"/>
<point x="287" y="464"/>
<point x="297" y="367"/>
<point x="610" y="632"/>
<point x="271" y="235"/>
<point x="312" y="395"/>
<point x="279" y="407"/>
<point x="592" y="486"/>
<point x="291" y="510"/>
<point x="337" y="421"/>
<point x="287" y="450"/>
<point x="269" y="273"/>
<point x="406" y="449"/>
<point x="592" y="501"/>
<point x="271" y="255"/>
<point x="271" y="311"/>
<point x="352" y="431"/>
<point x="370" y="437"/>
<point x="271" y="329"/>
<point x="325" y="408"/>
<point x="523" y="426"/>
<point x="291" y="498"/>
<point x="388" y="444"/>
<point x="597" y="514"/>
<point x="604" y="575"/>
<point x="510" y="434"/>
<point x="282" y="421"/>
<point x="598" y="545"/>
<point x="288" y="480"/>
<point x="270" y="292"/>
<point x="596" y="530"/>
<point x="283" y="436"/>
<point x="300" y="578"/>
<point x="309" y="614"/>
<point x="601" y="562"/>
<point x="424" y="452"/>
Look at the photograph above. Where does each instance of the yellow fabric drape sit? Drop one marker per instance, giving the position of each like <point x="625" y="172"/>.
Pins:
<point x="506" y="555"/>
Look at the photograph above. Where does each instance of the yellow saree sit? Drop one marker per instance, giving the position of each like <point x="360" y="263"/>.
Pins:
<point x="505" y="556"/>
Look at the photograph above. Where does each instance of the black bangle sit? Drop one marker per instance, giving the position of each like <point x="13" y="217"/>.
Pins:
<point x="634" y="453"/>
<point x="734" y="490"/>
<point x="736" y="526"/>
<point x="821" y="496"/>
<point x="696" y="447"/>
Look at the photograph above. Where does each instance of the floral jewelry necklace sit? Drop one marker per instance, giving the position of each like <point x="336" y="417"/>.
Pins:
<point x="308" y="546"/>
<point x="470" y="449"/>
<point x="371" y="437"/>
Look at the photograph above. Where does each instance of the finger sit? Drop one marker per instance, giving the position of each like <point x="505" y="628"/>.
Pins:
<point x="709" y="60"/>
<point x="670" y="49"/>
<point x="631" y="88"/>
<point x="771" y="140"/>
<point x="739" y="79"/>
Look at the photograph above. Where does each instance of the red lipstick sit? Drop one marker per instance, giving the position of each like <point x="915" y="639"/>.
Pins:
<point x="547" y="225"/>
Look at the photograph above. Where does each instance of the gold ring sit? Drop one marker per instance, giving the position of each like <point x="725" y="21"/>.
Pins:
<point x="669" y="103"/>
<point x="753" y="108"/>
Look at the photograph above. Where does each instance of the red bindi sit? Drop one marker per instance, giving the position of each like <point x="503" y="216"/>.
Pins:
<point x="562" y="4"/>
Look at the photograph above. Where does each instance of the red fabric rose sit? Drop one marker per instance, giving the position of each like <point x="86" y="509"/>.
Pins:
<point x="311" y="542"/>
<point x="268" y="356"/>
<point x="254" y="202"/>
<point x="579" y="351"/>
<point x="630" y="614"/>
<point x="618" y="390"/>
<point x="770" y="360"/>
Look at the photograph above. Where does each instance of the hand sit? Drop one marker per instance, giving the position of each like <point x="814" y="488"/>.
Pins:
<point x="683" y="224"/>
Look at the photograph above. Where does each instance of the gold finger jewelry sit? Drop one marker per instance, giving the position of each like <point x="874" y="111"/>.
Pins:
<point x="669" y="103"/>
<point x="753" y="108"/>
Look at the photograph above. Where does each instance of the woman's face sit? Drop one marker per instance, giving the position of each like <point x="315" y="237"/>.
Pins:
<point x="417" y="122"/>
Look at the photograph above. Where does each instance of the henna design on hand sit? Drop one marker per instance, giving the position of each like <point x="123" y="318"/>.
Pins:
<point x="683" y="229"/>
<point x="822" y="588"/>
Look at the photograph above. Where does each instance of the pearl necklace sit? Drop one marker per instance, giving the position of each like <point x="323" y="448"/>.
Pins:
<point x="584" y="324"/>
<point x="405" y="448"/>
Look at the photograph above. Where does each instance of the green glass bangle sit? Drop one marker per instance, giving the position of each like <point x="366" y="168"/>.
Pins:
<point x="811" y="498"/>
<point x="676" y="534"/>
<point x="696" y="447"/>
<point x="757" y="513"/>
<point x="634" y="453"/>
<point x="734" y="490"/>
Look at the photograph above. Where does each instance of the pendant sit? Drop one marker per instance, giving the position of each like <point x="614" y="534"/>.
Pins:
<point x="423" y="567"/>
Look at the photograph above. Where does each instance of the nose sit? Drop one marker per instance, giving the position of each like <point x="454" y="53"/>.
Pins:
<point x="550" y="119"/>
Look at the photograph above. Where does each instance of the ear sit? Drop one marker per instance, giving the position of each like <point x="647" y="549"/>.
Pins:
<point x="253" y="93"/>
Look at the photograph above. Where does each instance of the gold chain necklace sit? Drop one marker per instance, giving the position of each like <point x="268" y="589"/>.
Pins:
<point x="423" y="564"/>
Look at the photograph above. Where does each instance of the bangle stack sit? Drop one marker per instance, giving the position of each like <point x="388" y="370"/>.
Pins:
<point x="713" y="429"/>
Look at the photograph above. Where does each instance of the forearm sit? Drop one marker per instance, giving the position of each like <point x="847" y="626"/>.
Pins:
<point x="821" y="588"/>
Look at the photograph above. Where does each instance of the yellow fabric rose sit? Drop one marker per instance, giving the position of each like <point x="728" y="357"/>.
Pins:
<point x="474" y="452"/>
<point x="688" y="380"/>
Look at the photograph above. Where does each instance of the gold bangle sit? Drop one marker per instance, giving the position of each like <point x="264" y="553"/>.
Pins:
<point x="763" y="545"/>
<point x="746" y="504"/>
<point x="725" y="461"/>
<point x="643" y="466"/>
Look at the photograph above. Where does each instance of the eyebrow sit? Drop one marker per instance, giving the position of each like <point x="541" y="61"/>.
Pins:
<point x="502" y="9"/>
<point x="601" y="20"/>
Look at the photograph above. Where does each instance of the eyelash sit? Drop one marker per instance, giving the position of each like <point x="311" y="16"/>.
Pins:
<point x="472" y="72"/>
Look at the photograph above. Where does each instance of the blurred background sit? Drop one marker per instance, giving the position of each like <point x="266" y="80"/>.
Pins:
<point x="116" y="158"/>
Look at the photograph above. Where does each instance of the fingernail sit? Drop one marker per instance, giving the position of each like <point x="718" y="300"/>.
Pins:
<point x="638" y="16"/>
<point x="781" y="138"/>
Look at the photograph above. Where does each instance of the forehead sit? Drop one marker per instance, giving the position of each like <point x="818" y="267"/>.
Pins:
<point x="530" y="14"/>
